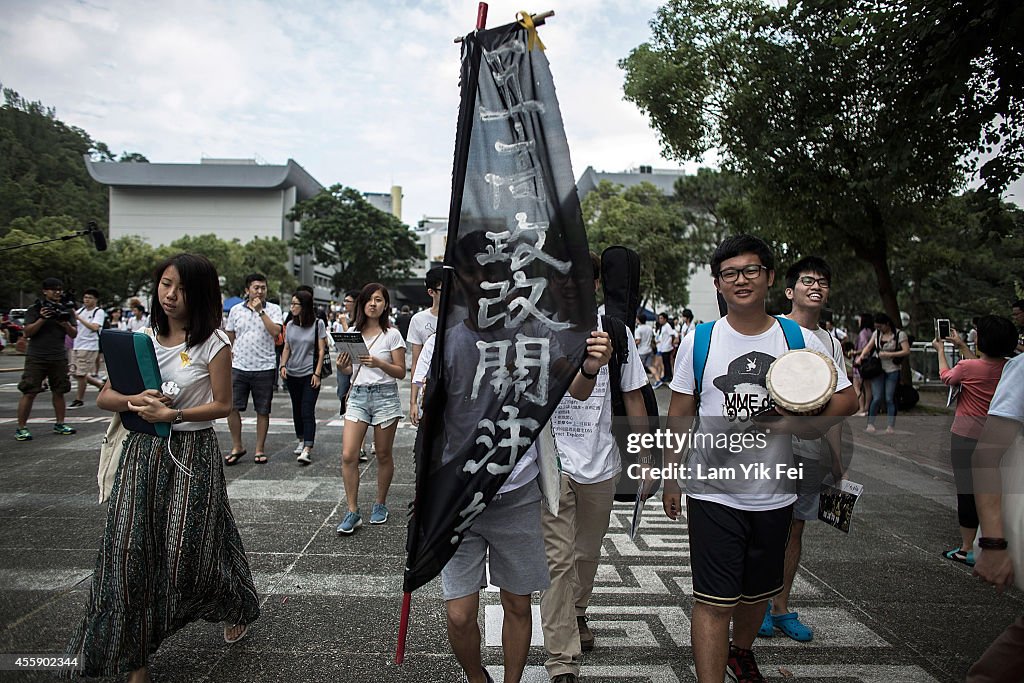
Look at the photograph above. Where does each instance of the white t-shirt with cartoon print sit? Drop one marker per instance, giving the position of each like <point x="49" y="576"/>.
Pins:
<point x="421" y="326"/>
<point x="732" y="391"/>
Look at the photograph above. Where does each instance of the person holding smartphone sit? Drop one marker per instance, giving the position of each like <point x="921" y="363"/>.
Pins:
<point x="977" y="379"/>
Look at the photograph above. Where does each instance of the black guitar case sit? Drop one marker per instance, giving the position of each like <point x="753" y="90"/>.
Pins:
<point x="620" y="280"/>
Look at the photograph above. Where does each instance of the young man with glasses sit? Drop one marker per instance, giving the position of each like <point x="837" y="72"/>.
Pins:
<point x="47" y="322"/>
<point x="738" y="524"/>
<point x="808" y="284"/>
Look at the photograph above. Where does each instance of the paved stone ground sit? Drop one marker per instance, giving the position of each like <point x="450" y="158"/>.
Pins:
<point x="885" y="606"/>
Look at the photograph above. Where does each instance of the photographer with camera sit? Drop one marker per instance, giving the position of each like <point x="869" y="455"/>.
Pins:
<point x="47" y="322"/>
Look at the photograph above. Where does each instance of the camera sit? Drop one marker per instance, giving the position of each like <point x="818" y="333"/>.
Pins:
<point x="60" y="311"/>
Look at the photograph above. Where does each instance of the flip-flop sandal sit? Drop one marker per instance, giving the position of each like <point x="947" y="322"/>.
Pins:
<point x="245" y="630"/>
<point x="791" y="626"/>
<point x="260" y="458"/>
<point x="231" y="458"/>
<point x="958" y="555"/>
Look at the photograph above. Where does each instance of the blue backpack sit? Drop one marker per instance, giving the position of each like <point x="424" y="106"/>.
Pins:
<point x="702" y="346"/>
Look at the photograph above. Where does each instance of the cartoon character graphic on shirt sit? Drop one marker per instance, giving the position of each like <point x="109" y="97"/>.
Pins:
<point x="745" y="387"/>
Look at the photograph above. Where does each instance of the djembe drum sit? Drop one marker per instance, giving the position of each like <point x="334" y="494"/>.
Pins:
<point x="802" y="381"/>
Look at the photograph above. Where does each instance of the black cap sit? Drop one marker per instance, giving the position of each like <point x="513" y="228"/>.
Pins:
<point x="52" y="283"/>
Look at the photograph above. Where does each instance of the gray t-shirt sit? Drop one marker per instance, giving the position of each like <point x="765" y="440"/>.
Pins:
<point x="302" y="347"/>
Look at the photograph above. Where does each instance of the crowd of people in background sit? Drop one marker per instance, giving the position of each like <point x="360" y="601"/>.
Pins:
<point x="217" y="361"/>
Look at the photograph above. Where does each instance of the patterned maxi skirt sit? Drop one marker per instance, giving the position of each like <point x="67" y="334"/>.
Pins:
<point x="171" y="554"/>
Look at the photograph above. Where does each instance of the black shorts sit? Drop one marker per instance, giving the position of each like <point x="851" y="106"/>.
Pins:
<point x="259" y="382"/>
<point x="38" y="369"/>
<point x="736" y="555"/>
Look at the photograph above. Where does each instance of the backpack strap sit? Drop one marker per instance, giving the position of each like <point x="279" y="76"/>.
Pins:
<point x="794" y="336"/>
<point x="701" y="349"/>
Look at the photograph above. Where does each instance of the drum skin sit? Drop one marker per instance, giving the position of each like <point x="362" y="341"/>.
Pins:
<point x="802" y="381"/>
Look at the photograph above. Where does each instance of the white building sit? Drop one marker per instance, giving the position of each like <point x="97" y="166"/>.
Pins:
<point x="231" y="198"/>
<point x="703" y="296"/>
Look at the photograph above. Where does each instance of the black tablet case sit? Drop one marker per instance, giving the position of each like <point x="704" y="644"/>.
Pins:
<point x="132" y="368"/>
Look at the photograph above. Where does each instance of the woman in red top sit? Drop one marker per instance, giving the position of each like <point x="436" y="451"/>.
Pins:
<point x="977" y="379"/>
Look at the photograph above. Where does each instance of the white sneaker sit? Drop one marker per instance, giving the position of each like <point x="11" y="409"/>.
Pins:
<point x="299" y="447"/>
<point x="304" y="457"/>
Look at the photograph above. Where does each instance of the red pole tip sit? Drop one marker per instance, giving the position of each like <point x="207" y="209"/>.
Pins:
<point x="481" y="16"/>
<point x="403" y="627"/>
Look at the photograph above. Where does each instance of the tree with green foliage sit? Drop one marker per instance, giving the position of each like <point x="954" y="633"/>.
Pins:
<point x="362" y="243"/>
<point x="644" y="219"/>
<point x="234" y="260"/>
<point x="808" y="102"/>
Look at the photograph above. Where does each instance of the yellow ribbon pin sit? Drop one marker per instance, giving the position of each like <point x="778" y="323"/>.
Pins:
<point x="185" y="360"/>
<point x="526" y="21"/>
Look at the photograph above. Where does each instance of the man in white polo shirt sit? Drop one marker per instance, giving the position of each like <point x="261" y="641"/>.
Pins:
<point x="86" y="350"/>
<point x="252" y="326"/>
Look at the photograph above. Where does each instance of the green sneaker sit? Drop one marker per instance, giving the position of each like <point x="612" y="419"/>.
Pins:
<point x="63" y="429"/>
<point x="22" y="434"/>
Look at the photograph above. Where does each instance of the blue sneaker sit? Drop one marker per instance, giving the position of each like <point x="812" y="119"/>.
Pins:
<point x="63" y="429"/>
<point x="350" y="523"/>
<point x="379" y="514"/>
<point x="22" y="434"/>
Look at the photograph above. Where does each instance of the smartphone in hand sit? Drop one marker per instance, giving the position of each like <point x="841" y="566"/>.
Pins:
<point x="942" y="328"/>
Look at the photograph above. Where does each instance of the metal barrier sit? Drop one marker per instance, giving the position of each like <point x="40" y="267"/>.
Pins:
<point x="924" y="361"/>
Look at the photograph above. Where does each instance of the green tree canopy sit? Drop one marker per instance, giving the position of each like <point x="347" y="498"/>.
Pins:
<point x="234" y="261"/>
<point x="808" y="102"/>
<point x="344" y="231"/>
<point x="643" y="219"/>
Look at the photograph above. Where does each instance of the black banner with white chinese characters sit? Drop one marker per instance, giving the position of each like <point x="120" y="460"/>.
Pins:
<point x="517" y="300"/>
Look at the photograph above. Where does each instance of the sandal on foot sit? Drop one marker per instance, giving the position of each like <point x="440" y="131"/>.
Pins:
<point x="245" y="630"/>
<point x="260" y="458"/>
<point x="767" y="629"/>
<point x="792" y="627"/>
<point x="958" y="555"/>
<point x="232" y="458"/>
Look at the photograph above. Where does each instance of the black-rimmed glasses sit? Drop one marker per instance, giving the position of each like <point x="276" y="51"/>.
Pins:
<point x="750" y="272"/>
<point x="807" y="281"/>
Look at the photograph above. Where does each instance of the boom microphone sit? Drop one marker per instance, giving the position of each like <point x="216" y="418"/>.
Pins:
<point x="99" y="240"/>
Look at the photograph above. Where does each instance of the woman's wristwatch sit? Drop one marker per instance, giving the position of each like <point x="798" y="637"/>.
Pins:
<point x="180" y="417"/>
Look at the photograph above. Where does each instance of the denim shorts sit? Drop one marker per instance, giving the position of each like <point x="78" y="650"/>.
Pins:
<point x="374" y="404"/>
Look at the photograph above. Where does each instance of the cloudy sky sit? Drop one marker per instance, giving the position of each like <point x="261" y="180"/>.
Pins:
<point x="363" y="93"/>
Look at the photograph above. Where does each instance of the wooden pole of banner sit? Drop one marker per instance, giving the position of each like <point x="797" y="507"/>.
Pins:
<point x="538" y="19"/>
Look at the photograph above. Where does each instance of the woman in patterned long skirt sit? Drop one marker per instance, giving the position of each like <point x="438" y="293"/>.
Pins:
<point x="171" y="552"/>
